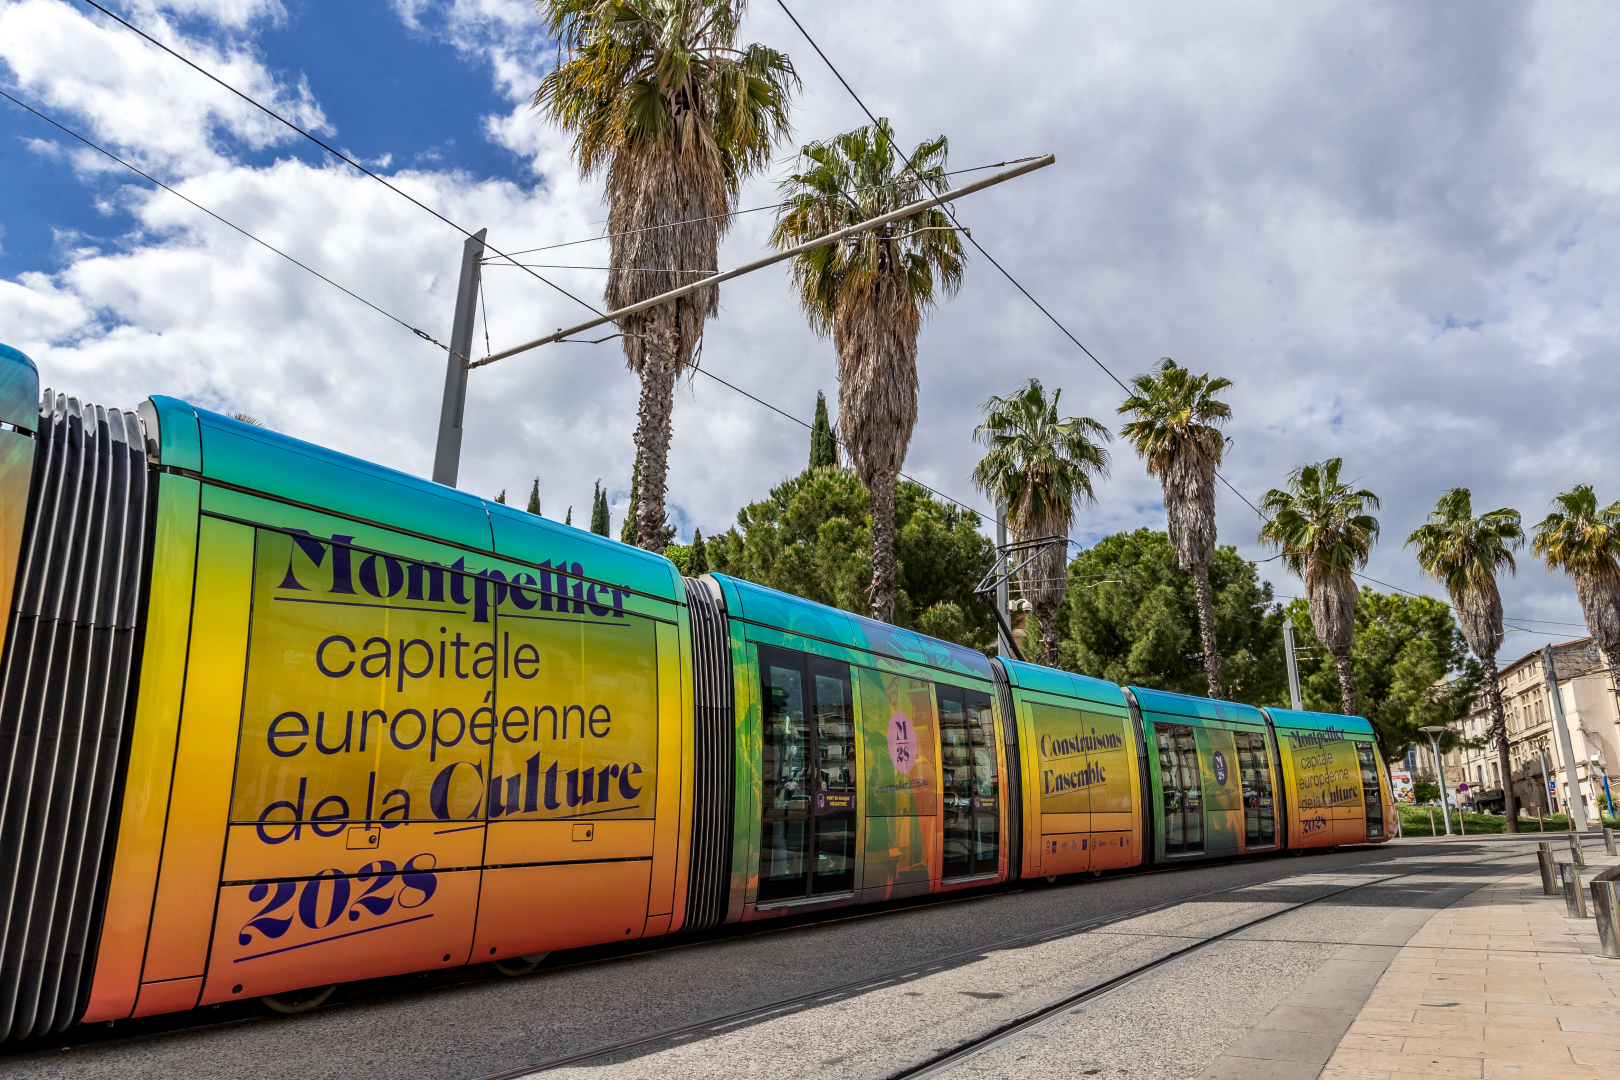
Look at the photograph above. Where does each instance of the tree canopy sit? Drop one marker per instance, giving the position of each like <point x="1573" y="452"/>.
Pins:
<point x="1131" y="617"/>
<point x="1403" y="646"/>
<point x="823" y="444"/>
<point x="811" y="536"/>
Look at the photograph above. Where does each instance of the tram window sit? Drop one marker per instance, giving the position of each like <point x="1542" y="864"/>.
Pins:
<point x="807" y="777"/>
<point x="1259" y="802"/>
<point x="967" y="753"/>
<point x="835" y="783"/>
<point x="1371" y="797"/>
<point x="1182" y="788"/>
<point x="786" y="738"/>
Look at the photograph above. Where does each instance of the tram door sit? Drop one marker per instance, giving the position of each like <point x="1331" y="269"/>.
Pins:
<point x="1259" y="801"/>
<point x="807" y="777"/>
<point x="967" y="753"/>
<point x="1183" y="790"/>
<point x="1372" y="797"/>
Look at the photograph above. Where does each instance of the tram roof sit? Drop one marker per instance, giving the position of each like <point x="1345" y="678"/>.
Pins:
<point x="267" y="462"/>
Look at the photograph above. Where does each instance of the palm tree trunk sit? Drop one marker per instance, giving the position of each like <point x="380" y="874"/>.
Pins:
<point x="658" y="370"/>
<point x="1206" y="628"/>
<point x="1493" y="701"/>
<point x="883" y="547"/>
<point x="1347" y="685"/>
<point x="1047" y="615"/>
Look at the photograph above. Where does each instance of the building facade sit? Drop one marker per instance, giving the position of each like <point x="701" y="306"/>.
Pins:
<point x="1591" y="709"/>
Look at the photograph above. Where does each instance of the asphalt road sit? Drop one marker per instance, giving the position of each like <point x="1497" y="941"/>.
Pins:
<point x="930" y="977"/>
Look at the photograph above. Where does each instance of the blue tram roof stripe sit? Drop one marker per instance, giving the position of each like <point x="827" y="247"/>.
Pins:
<point x="1358" y="726"/>
<point x="1166" y="703"/>
<point x="796" y="615"/>
<point x="1045" y="680"/>
<point x="263" y="461"/>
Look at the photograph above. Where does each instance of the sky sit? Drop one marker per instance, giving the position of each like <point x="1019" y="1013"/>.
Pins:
<point x="1388" y="224"/>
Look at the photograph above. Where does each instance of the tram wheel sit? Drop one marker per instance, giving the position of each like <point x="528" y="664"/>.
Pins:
<point x="1096" y="873"/>
<point x="1296" y="852"/>
<point x="298" y="1001"/>
<point x="520" y="965"/>
<point x="1051" y="879"/>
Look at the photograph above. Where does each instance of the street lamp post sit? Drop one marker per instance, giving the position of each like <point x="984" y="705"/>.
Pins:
<point x="1434" y="734"/>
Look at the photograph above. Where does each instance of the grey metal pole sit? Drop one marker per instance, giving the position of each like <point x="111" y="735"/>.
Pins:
<point x="1439" y="773"/>
<point x="447" y="454"/>
<point x="1577" y="812"/>
<point x="1544" y="788"/>
<point x="1005" y="645"/>
<point x="1294" y="699"/>
<point x="787" y="253"/>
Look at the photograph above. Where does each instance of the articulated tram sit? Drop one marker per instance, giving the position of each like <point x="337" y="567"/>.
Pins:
<point x="273" y="718"/>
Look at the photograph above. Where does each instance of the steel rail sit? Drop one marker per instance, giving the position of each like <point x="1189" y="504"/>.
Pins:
<point x="944" y="1063"/>
<point x="951" y="1058"/>
<point x="758" y="264"/>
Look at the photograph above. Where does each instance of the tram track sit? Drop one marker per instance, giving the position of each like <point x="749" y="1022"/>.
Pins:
<point x="360" y="994"/>
<point x="945" y="1062"/>
<point x="405" y="989"/>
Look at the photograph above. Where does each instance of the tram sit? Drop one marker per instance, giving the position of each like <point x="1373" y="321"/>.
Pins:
<point x="273" y="718"/>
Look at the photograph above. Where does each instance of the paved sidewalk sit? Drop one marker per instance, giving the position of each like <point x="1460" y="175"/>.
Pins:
<point x="1499" y="984"/>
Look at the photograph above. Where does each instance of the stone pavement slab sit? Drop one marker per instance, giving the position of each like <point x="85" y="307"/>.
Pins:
<point x="1499" y="984"/>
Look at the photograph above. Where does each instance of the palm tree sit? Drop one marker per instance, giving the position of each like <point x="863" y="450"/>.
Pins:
<point x="1465" y="553"/>
<point x="1324" y="533"/>
<point x="658" y="97"/>
<point x="1176" y="432"/>
<point x="869" y="293"/>
<point x="1584" y="542"/>
<point x="1040" y="468"/>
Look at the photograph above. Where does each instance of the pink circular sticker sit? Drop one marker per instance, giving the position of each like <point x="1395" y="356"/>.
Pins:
<point x="902" y="742"/>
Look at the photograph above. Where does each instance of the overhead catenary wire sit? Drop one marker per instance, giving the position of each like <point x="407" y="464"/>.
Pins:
<point x="736" y="213"/>
<point x="825" y="240"/>
<point x="950" y="211"/>
<point x="510" y="260"/>
<point x="980" y="247"/>
<point x="324" y="146"/>
<point x="424" y="335"/>
<point x="508" y="257"/>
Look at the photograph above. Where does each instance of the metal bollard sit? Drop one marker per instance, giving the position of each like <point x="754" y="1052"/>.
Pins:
<point x="1549" y="871"/>
<point x="1608" y="841"/>
<point x="1576" y="855"/>
<point x="1569" y="876"/>
<point x="1606" y="906"/>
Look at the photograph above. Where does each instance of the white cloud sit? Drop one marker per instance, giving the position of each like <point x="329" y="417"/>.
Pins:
<point x="141" y="102"/>
<point x="1392" y="226"/>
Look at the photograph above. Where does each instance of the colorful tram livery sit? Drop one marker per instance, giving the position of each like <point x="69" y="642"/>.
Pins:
<point x="273" y="718"/>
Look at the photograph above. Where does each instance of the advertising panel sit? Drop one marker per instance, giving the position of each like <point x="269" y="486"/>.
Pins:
<point x="383" y="691"/>
<point x="1401" y="787"/>
<point x="1083" y="761"/>
<point x="1084" y="766"/>
<point x="392" y="709"/>
<point x="1327" y="782"/>
<point x="901" y="763"/>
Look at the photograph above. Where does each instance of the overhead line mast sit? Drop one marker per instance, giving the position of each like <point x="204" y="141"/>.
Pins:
<point x="769" y="260"/>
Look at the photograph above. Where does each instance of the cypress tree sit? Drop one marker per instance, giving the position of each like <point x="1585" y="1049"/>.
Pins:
<point x="698" y="563"/>
<point x="628" y="533"/>
<point x="569" y="519"/>
<point x="823" y="447"/>
<point x="501" y="498"/>
<point x="599" y="511"/>
<point x="534" y="498"/>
